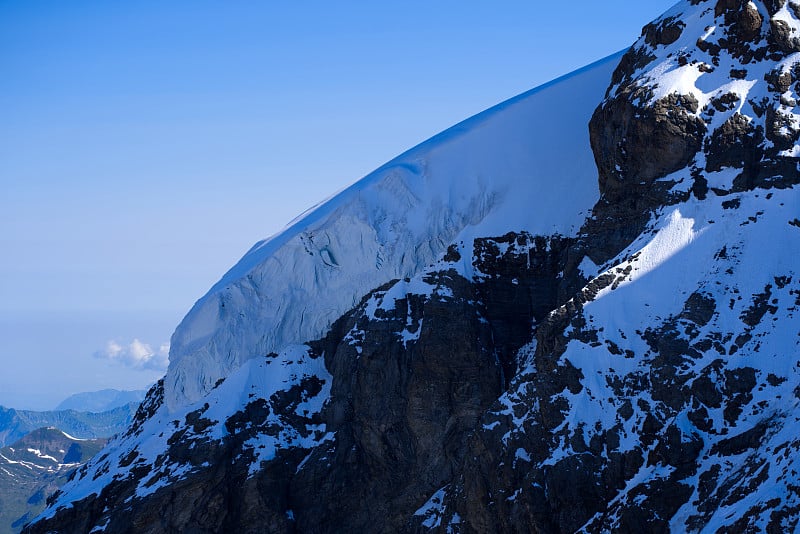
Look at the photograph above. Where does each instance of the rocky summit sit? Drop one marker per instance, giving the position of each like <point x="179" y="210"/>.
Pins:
<point x="576" y="312"/>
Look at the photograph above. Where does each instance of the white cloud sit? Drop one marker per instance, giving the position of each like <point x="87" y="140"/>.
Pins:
<point x="136" y="355"/>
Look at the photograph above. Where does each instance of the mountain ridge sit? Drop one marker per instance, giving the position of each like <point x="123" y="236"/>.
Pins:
<point x="100" y="401"/>
<point x="14" y="424"/>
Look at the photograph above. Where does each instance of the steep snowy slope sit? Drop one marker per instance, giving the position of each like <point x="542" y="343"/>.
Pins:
<point x="523" y="165"/>
<point x="530" y="340"/>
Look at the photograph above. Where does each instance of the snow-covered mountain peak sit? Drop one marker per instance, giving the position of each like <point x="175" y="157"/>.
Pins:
<point x="712" y="87"/>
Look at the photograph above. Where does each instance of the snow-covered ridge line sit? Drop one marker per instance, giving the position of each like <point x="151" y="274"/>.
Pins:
<point x="73" y="438"/>
<point x="326" y="207"/>
<point x="504" y="169"/>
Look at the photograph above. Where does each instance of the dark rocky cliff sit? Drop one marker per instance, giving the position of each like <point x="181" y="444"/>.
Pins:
<point x="640" y="377"/>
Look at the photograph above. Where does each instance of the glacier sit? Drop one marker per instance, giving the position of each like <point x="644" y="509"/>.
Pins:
<point x="504" y="169"/>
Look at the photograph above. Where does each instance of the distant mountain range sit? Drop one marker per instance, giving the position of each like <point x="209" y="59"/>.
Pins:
<point x="33" y="468"/>
<point x="41" y="449"/>
<point x="101" y="401"/>
<point x="14" y="424"/>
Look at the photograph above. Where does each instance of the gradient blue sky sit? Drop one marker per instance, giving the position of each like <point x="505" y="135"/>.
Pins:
<point x="145" y="146"/>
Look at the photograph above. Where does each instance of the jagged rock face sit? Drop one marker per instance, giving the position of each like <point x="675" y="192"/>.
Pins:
<point x="712" y="86"/>
<point x="635" y="145"/>
<point x="440" y="351"/>
<point x="432" y="360"/>
<point x="640" y="376"/>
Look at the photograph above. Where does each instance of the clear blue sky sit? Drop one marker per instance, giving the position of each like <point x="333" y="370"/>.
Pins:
<point x="144" y="146"/>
